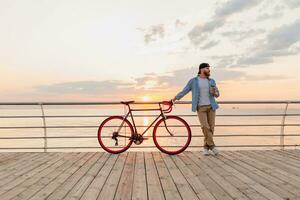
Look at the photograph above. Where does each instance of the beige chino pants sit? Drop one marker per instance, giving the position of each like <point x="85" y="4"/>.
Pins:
<point x="207" y="117"/>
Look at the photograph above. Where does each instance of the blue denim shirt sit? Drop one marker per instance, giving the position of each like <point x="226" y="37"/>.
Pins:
<point x="193" y="86"/>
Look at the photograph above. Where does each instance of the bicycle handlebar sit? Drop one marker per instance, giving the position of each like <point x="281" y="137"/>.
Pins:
<point x="167" y="103"/>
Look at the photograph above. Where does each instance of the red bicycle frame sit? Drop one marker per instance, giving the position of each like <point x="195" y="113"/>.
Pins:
<point x="162" y="114"/>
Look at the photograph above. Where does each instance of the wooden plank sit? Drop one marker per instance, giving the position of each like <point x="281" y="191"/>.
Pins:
<point x="289" y="181"/>
<point x="80" y="187"/>
<point x="168" y="185"/>
<point x="109" y="189"/>
<point x="255" y="174"/>
<point x="212" y="172"/>
<point x="294" y="152"/>
<point x="31" y="178"/>
<point x="223" y="177"/>
<point x="46" y="179"/>
<point x="186" y="191"/>
<point x="199" y="188"/>
<point x="269" y="190"/>
<point x="241" y="181"/>
<point x="6" y="158"/>
<point x="21" y="163"/>
<point x="230" y="161"/>
<point x="271" y="168"/>
<point x="19" y="158"/>
<point x="282" y="158"/>
<point x="67" y="186"/>
<point x="260" y="174"/>
<point x="281" y="163"/>
<point x="12" y="167"/>
<point x="211" y="185"/>
<point x="289" y="154"/>
<point x="95" y="187"/>
<point x="8" y="155"/>
<point x="139" y="183"/>
<point x="154" y="188"/>
<point x="23" y="172"/>
<point x="125" y="186"/>
<point x="58" y="181"/>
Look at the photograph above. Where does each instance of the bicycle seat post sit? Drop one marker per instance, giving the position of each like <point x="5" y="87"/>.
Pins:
<point x="129" y="108"/>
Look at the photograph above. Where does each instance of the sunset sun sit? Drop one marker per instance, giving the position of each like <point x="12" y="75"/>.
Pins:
<point x="146" y="98"/>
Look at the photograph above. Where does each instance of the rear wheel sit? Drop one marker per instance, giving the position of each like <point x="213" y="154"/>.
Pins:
<point x="177" y="141"/>
<point x="113" y="137"/>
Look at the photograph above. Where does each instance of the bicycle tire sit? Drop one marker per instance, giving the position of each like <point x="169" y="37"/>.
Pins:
<point x="185" y="126"/>
<point x="102" y="137"/>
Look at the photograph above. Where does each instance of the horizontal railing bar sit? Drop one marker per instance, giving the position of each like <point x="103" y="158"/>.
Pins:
<point x="140" y="102"/>
<point x="86" y="137"/>
<point x="223" y="125"/>
<point x="191" y="146"/>
<point x="92" y="116"/>
<point x="146" y="109"/>
<point x="152" y="109"/>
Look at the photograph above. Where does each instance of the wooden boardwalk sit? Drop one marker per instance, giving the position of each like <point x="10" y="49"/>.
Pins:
<point x="272" y="175"/>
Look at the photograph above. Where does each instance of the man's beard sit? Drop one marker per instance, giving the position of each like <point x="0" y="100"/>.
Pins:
<point x="207" y="74"/>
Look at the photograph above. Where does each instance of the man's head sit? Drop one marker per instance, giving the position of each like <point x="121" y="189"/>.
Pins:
<point x="204" y="69"/>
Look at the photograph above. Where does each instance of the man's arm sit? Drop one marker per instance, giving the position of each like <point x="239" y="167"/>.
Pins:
<point x="217" y="92"/>
<point x="185" y="90"/>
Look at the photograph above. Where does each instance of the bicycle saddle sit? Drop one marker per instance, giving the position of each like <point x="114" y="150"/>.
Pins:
<point x="127" y="102"/>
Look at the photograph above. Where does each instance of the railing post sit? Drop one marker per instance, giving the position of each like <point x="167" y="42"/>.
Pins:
<point x="45" y="128"/>
<point x="283" y="126"/>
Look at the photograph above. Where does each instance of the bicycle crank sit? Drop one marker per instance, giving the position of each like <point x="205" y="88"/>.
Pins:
<point x="138" y="139"/>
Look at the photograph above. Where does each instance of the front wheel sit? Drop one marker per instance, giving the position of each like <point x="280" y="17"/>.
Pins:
<point x="114" y="134"/>
<point x="172" y="135"/>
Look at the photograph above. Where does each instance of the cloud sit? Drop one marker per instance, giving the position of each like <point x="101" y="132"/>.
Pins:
<point x="265" y="77"/>
<point x="210" y="44"/>
<point x="284" y="36"/>
<point x="179" y="23"/>
<point x="234" y="6"/>
<point x="293" y="3"/>
<point x="153" y="33"/>
<point x="276" y="12"/>
<point x="280" y="42"/>
<point x="243" y="34"/>
<point x="86" y="87"/>
<point x="150" y="83"/>
<point x="266" y="16"/>
<point x="199" y="33"/>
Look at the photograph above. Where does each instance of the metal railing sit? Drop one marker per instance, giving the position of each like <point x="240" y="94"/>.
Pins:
<point x="282" y="135"/>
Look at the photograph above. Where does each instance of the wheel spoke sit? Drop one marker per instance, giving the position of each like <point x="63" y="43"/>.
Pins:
<point x="107" y="134"/>
<point x="175" y="143"/>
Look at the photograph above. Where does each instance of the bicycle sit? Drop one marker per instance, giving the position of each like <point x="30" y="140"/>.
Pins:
<point x="116" y="133"/>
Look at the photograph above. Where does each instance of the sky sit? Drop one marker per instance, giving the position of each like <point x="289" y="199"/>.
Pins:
<point x="96" y="50"/>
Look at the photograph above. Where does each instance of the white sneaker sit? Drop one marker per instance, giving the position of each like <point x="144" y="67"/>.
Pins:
<point x="205" y="152"/>
<point x="214" y="151"/>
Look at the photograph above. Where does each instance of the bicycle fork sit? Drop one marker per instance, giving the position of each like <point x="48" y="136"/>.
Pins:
<point x="164" y="119"/>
